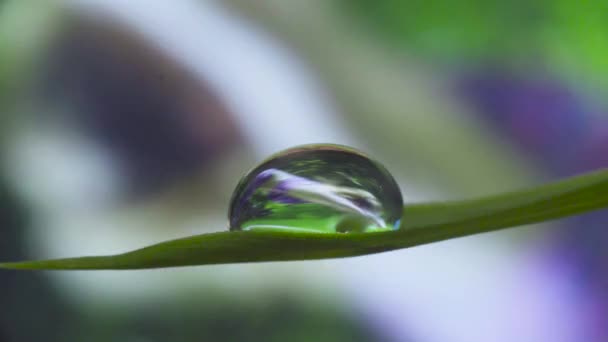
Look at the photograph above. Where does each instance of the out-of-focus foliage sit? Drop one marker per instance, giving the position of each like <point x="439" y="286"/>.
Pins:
<point x="567" y="35"/>
<point x="203" y="319"/>
<point x="24" y="31"/>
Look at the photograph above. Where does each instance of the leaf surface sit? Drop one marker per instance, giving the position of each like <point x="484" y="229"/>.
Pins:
<point x="421" y="224"/>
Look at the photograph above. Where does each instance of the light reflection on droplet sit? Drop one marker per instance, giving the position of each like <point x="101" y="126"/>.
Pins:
<point x="327" y="188"/>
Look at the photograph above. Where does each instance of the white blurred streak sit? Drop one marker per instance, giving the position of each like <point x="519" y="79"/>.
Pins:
<point x="462" y="290"/>
<point x="79" y="176"/>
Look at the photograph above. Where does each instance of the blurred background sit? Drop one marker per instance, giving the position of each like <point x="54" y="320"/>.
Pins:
<point x="125" y="123"/>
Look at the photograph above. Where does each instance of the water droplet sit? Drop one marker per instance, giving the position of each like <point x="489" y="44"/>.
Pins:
<point x="327" y="188"/>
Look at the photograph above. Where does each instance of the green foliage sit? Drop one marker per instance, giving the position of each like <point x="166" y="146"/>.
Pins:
<point x="421" y="224"/>
<point x="568" y="36"/>
<point x="455" y="29"/>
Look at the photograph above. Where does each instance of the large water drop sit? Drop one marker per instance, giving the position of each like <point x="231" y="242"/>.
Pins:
<point x="326" y="188"/>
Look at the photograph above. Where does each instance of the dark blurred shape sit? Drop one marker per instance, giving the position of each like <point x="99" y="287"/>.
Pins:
<point x="219" y="318"/>
<point x="594" y="154"/>
<point x="31" y="309"/>
<point x="542" y="115"/>
<point x="161" y="122"/>
<point x="586" y="237"/>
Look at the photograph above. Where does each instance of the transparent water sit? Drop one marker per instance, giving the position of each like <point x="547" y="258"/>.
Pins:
<point x="326" y="188"/>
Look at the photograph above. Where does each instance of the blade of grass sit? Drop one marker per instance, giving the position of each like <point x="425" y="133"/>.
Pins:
<point x="421" y="224"/>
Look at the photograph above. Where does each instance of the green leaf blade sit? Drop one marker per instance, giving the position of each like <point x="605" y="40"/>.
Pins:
<point x="421" y="224"/>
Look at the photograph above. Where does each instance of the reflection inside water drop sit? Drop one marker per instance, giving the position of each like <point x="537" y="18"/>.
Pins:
<point x="327" y="188"/>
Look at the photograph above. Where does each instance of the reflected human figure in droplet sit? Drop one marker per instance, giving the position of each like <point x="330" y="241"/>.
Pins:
<point x="287" y="188"/>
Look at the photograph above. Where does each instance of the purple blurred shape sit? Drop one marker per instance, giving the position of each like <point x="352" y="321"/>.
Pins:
<point x="543" y="117"/>
<point x="552" y="125"/>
